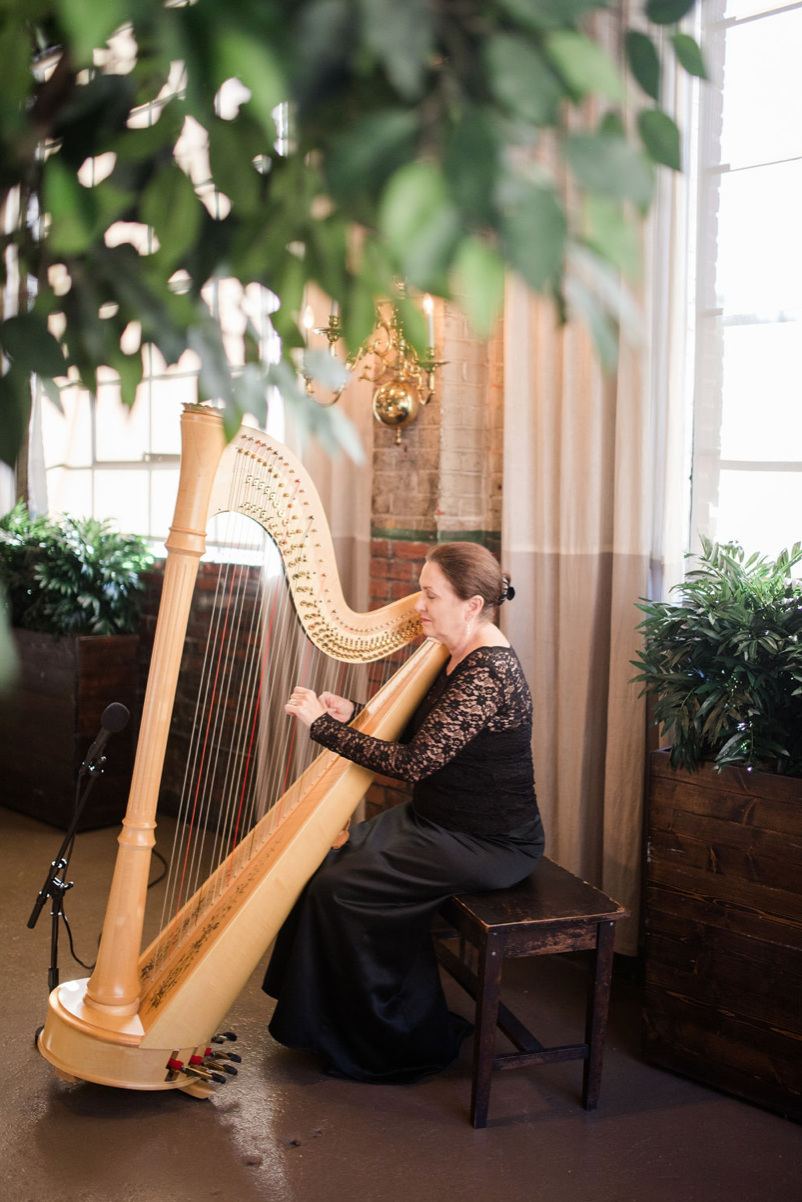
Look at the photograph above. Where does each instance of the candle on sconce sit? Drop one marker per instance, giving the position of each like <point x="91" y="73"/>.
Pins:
<point x="428" y="308"/>
<point x="309" y="321"/>
<point x="335" y="309"/>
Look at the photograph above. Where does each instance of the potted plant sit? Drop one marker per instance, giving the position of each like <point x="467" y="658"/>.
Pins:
<point x="723" y="904"/>
<point x="72" y="588"/>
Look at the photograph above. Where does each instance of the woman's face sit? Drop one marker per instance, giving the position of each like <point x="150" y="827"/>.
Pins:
<point x="442" y="613"/>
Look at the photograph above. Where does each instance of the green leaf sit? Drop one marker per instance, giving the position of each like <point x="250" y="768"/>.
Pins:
<point x="365" y="155"/>
<point x="613" y="235"/>
<point x="584" y="65"/>
<point x="15" y="58"/>
<point x="612" y="125"/>
<point x="689" y="55"/>
<point x="402" y="38"/>
<point x="136" y="145"/>
<point x="327" y="369"/>
<point x="27" y="340"/>
<point x="214" y="379"/>
<point x="608" y="289"/>
<point x="610" y="166"/>
<point x="78" y="215"/>
<point x="479" y="283"/>
<point x="250" y="389"/>
<point x="471" y="162"/>
<point x="660" y="137"/>
<point x="70" y="209"/>
<point x="534" y="230"/>
<point x="89" y="23"/>
<point x="359" y="312"/>
<point x="129" y="369"/>
<point x="420" y="222"/>
<point x="52" y="392"/>
<point x="584" y="305"/>
<point x="644" y="62"/>
<point x="233" y="146"/>
<point x="170" y="206"/>
<point x="252" y="61"/>
<point x="547" y="14"/>
<point x="521" y="80"/>
<point x="668" y="12"/>
<point x="15" y="413"/>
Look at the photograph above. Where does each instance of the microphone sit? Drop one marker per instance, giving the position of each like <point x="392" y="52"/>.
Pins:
<point x="113" y="719"/>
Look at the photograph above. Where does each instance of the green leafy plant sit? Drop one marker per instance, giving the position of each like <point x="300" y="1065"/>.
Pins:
<point x="72" y="577"/>
<point x="418" y="122"/>
<point x="725" y="664"/>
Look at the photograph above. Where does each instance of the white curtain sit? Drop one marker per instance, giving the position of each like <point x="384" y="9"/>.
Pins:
<point x="595" y="517"/>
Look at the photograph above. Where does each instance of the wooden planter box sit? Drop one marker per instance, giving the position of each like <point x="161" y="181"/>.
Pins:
<point x="723" y="1000"/>
<point x="51" y="716"/>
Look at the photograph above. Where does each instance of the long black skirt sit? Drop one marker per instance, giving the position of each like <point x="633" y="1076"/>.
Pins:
<point x="354" y="968"/>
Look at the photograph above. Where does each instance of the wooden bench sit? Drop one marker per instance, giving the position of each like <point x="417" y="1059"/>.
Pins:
<point x="551" y="911"/>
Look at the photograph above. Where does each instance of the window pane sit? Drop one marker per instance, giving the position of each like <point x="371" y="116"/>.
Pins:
<point x="762" y="394"/>
<point x="762" y="119"/>
<point x="760" y="510"/>
<point x="123" y="497"/>
<point x="122" y="433"/>
<point x="69" y="492"/>
<point x="168" y="394"/>
<point x="67" y="436"/>
<point x="163" y="491"/>
<point x="759" y="261"/>
<point x="748" y="8"/>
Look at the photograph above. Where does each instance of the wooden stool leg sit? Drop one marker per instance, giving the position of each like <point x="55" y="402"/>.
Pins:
<point x="596" y="1021"/>
<point x="487" y="1000"/>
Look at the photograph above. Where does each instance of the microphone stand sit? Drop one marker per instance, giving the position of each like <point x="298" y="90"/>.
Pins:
<point x="55" y="886"/>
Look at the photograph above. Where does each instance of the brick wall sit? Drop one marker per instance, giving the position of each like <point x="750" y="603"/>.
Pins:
<point x="443" y="482"/>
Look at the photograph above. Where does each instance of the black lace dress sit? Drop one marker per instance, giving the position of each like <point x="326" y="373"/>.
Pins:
<point x="353" y="968"/>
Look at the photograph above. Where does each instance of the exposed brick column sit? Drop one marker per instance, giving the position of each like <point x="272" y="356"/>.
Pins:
<point x="444" y="482"/>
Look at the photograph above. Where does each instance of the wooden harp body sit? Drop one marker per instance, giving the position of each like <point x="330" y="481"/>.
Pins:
<point x="142" y="1013"/>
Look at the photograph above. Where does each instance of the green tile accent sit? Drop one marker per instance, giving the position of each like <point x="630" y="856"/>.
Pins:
<point x="404" y="536"/>
<point x="488" y="538"/>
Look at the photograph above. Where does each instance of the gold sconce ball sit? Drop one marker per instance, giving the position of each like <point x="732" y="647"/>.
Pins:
<point x="396" y="405"/>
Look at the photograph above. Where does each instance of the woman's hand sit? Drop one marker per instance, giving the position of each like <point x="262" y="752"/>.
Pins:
<point x="338" y="707"/>
<point x="342" y="838"/>
<point x="304" y="705"/>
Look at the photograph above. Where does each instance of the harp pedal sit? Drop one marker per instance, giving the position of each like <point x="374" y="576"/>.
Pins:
<point x="202" y="1077"/>
<point x="224" y="1059"/>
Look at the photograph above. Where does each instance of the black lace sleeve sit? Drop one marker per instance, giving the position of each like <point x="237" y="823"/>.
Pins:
<point x="466" y="707"/>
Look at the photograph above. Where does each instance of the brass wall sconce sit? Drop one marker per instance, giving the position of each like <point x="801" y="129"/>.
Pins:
<point x="404" y="382"/>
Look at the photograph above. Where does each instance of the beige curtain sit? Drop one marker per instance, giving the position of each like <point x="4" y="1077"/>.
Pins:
<point x="595" y="517"/>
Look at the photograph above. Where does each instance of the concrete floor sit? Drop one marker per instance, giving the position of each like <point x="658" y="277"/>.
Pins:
<point x="283" y="1132"/>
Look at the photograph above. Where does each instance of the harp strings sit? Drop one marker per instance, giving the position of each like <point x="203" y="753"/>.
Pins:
<point x="245" y="755"/>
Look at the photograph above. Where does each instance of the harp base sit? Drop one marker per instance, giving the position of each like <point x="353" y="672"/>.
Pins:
<point x="199" y="1089"/>
<point x="80" y="1051"/>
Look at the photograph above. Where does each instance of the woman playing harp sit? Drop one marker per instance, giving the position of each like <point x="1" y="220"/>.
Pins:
<point x="146" y="1019"/>
<point x="354" y="969"/>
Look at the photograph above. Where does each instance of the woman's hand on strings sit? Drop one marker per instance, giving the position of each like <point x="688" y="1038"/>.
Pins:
<point x="337" y="707"/>
<point x="304" y="705"/>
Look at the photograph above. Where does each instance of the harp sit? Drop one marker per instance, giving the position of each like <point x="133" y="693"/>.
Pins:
<point x="145" y="1020"/>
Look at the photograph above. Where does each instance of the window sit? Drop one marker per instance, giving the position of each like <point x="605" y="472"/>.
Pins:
<point x="99" y="458"/>
<point x="747" y="471"/>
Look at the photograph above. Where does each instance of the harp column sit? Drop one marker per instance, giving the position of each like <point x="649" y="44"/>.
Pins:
<point x="114" y="987"/>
